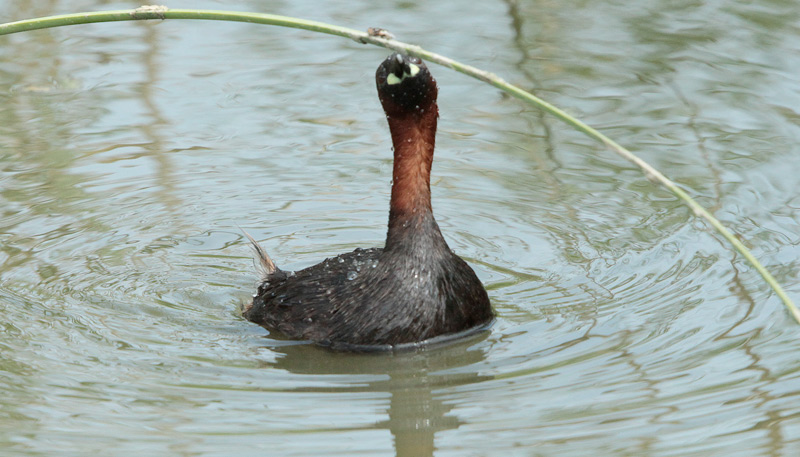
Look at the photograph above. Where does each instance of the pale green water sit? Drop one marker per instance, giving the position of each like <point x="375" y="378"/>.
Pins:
<point x="131" y="153"/>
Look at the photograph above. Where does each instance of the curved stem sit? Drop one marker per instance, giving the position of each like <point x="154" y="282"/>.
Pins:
<point x="160" y="12"/>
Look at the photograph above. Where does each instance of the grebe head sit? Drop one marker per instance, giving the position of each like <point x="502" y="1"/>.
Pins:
<point x="405" y="86"/>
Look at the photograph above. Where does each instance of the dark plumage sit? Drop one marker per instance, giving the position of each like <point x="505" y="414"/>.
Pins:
<point x="413" y="289"/>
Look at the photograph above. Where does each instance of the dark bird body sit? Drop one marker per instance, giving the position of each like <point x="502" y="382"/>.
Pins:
<point x="414" y="289"/>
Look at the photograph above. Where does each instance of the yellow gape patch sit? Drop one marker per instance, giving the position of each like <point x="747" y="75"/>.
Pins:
<point x="392" y="79"/>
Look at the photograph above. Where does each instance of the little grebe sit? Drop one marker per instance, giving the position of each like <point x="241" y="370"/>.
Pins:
<point x="412" y="290"/>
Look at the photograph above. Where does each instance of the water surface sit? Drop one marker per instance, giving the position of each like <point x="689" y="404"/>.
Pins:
<point x="130" y="154"/>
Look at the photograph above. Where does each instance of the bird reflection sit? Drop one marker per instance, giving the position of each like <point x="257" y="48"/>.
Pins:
<point x="416" y="382"/>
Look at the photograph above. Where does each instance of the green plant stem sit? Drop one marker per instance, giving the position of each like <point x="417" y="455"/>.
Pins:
<point x="161" y="13"/>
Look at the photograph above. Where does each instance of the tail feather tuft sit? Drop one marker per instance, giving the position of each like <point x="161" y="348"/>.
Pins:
<point x="265" y="265"/>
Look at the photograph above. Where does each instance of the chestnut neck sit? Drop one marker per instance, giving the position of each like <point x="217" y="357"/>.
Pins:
<point x="411" y="219"/>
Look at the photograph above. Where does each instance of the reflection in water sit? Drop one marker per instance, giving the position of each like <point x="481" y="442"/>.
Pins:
<point x="164" y="176"/>
<point x="772" y="423"/>
<point x="691" y="124"/>
<point x="517" y="24"/>
<point x="416" y="412"/>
